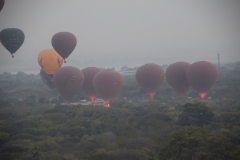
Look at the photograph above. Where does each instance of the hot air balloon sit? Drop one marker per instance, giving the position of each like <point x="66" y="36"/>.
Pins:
<point x="50" y="61"/>
<point x="64" y="43"/>
<point x="68" y="81"/>
<point x="12" y="39"/>
<point x="87" y="87"/>
<point x="201" y="76"/>
<point x="176" y="77"/>
<point x="150" y="77"/>
<point x="1" y="4"/>
<point x="46" y="79"/>
<point x="108" y="83"/>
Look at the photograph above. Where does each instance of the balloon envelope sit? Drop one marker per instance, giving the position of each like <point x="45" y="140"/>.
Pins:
<point x="64" y="43"/>
<point x="12" y="39"/>
<point x="1" y="4"/>
<point x="108" y="83"/>
<point x="49" y="60"/>
<point x="46" y="79"/>
<point x="68" y="81"/>
<point x="150" y="77"/>
<point x="201" y="76"/>
<point x="176" y="77"/>
<point x="87" y="87"/>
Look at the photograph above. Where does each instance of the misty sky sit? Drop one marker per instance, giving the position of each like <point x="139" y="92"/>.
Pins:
<point x="115" y="33"/>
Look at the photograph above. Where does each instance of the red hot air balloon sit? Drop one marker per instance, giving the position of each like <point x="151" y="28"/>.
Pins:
<point x="87" y="87"/>
<point x="201" y="76"/>
<point x="176" y="77"/>
<point x="64" y="43"/>
<point x="1" y="4"/>
<point x="108" y="83"/>
<point x="68" y="81"/>
<point x="150" y="77"/>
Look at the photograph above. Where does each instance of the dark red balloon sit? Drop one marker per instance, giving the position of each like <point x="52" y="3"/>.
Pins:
<point x="150" y="77"/>
<point x="68" y="81"/>
<point x="64" y="43"/>
<point x="1" y="4"/>
<point x="46" y="79"/>
<point x="176" y="77"/>
<point x="201" y="76"/>
<point x="87" y="87"/>
<point x="108" y="83"/>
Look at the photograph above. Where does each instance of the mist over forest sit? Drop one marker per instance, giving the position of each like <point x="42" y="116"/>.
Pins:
<point x="36" y="123"/>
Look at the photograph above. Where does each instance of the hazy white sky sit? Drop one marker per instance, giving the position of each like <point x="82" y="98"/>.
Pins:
<point x="114" y="33"/>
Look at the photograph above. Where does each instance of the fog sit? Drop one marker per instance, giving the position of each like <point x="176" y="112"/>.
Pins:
<point x="124" y="33"/>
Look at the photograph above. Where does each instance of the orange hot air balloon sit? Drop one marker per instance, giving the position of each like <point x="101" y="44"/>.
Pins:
<point x="50" y="61"/>
<point x="201" y="76"/>
<point x="150" y="77"/>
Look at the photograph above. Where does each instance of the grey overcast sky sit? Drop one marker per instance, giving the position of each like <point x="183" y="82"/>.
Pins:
<point x="115" y="33"/>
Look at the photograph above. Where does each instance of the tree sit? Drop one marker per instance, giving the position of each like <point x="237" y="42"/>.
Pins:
<point x="3" y="137"/>
<point x="196" y="114"/>
<point x="197" y="144"/>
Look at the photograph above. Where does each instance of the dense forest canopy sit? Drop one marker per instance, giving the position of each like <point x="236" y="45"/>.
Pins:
<point x="35" y="123"/>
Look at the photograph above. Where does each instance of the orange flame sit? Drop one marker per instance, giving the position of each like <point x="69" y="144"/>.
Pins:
<point x="92" y="98"/>
<point x="151" y="94"/>
<point x="107" y="103"/>
<point x="202" y="94"/>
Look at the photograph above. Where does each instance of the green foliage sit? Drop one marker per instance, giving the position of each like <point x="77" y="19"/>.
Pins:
<point x="196" y="114"/>
<point x="199" y="144"/>
<point x="150" y="154"/>
<point x="133" y="127"/>
<point x="3" y="137"/>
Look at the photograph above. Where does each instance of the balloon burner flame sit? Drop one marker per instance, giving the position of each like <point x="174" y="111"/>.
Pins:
<point x="203" y="94"/>
<point x="151" y="94"/>
<point x="92" y="98"/>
